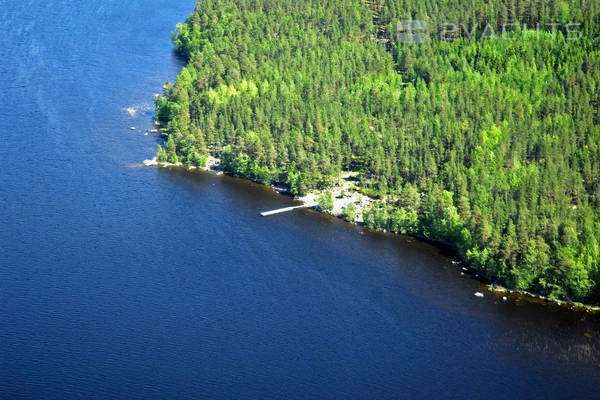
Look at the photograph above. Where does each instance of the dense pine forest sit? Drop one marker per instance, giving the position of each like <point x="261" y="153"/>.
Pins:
<point x="485" y="141"/>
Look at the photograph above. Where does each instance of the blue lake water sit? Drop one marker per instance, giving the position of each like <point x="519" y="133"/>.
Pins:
<point x="124" y="282"/>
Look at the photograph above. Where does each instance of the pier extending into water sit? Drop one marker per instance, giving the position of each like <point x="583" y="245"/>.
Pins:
<point x="285" y="209"/>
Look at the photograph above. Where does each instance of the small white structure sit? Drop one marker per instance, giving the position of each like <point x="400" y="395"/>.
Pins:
<point x="286" y="209"/>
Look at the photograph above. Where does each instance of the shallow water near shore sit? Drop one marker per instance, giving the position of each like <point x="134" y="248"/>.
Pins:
<point x="121" y="282"/>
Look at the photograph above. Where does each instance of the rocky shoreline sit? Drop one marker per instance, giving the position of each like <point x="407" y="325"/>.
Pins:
<point x="212" y="164"/>
<point x="345" y="191"/>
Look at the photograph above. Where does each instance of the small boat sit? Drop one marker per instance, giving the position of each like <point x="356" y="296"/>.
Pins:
<point x="478" y="294"/>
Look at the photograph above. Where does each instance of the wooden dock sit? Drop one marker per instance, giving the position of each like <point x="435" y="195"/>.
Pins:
<point x="285" y="209"/>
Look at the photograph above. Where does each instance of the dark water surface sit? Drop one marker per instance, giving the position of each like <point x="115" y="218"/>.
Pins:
<point x="121" y="282"/>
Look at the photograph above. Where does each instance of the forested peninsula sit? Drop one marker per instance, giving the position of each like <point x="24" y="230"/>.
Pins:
<point x="479" y="134"/>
